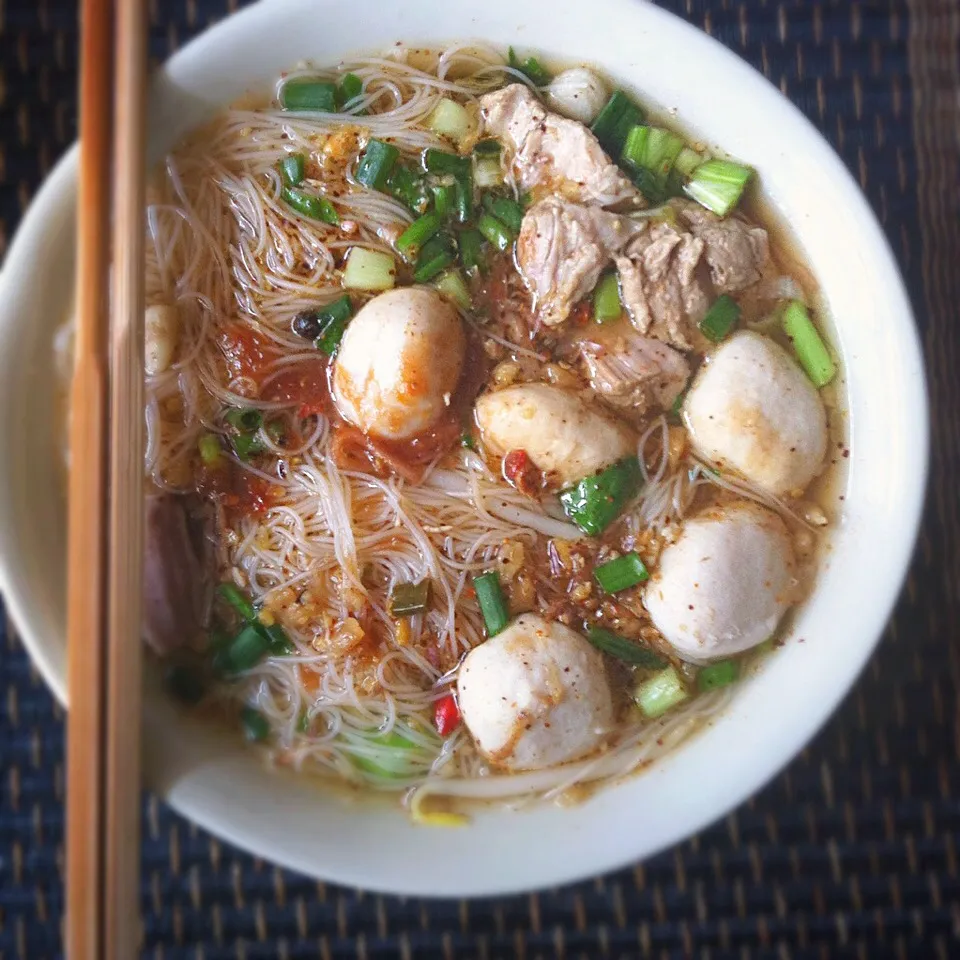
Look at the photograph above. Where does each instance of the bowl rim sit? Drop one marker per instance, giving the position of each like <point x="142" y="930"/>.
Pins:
<point x="59" y="189"/>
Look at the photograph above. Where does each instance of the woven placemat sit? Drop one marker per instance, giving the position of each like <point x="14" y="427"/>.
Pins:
<point x="852" y="852"/>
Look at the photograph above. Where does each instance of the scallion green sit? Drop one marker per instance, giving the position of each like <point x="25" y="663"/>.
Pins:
<point x="244" y="651"/>
<point x="507" y="211"/>
<point x="687" y="161"/>
<point x="492" y="604"/>
<point x="292" y="169"/>
<point x="305" y="93"/>
<point x="244" y="419"/>
<point x="622" y="573"/>
<point x="718" y="185"/>
<point x="615" y="120"/>
<point x="351" y="86"/>
<point x="471" y="250"/>
<point x="596" y="501"/>
<point x="532" y="68"/>
<point x="237" y="599"/>
<point x="808" y="345"/>
<point x="439" y="161"/>
<point x="417" y="234"/>
<point x="255" y="725"/>
<point x="409" y="188"/>
<point x="435" y="256"/>
<point x="329" y="340"/>
<point x="720" y="674"/>
<point x="488" y="148"/>
<point x="495" y="231"/>
<point x="452" y="285"/>
<point x="310" y="205"/>
<point x="377" y="164"/>
<point x="211" y="453"/>
<point x="444" y="198"/>
<point x="660" y="693"/>
<point x="720" y="319"/>
<point x="246" y="445"/>
<point x="623" y="649"/>
<point x="606" y="299"/>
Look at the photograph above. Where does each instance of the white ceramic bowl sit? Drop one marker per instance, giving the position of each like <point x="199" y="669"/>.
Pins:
<point x="294" y="821"/>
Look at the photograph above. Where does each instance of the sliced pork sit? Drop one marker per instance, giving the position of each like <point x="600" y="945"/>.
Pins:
<point x="553" y="154"/>
<point x="561" y="250"/>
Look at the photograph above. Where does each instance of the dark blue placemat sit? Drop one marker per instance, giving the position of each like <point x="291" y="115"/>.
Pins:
<point x="852" y="852"/>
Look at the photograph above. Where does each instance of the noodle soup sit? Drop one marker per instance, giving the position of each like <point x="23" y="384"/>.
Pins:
<point x="483" y="419"/>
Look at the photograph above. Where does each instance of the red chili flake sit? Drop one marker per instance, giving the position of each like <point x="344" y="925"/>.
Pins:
<point x="519" y="470"/>
<point x="446" y="715"/>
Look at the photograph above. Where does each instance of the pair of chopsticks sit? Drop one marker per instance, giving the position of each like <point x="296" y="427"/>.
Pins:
<point x="106" y="492"/>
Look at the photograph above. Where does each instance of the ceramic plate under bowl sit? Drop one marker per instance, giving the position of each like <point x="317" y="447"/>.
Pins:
<point x="294" y="821"/>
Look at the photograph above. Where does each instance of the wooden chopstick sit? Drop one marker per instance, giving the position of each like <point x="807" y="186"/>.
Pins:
<point x="106" y="493"/>
<point x="87" y="495"/>
<point x="122" y="879"/>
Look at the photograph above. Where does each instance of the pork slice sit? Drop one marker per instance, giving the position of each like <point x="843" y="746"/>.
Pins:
<point x="661" y="285"/>
<point x="176" y="574"/>
<point x="552" y="154"/>
<point x="736" y="251"/>
<point x="562" y="249"/>
<point x="630" y="371"/>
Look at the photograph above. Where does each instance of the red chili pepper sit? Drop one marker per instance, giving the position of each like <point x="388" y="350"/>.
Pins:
<point x="515" y="464"/>
<point x="446" y="715"/>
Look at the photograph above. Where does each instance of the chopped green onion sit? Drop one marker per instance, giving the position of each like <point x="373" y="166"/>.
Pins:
<point x="244" y="651"/>
<point x="292" y="168"/>
<point x="409" y="188"/>
<point x="626" y="571"/>
<point x="246" y="420"/>
<point x="496" y="232"/>
<point x="623" y="649"/>
<point x="489" y="147"/>
<point x="687" y="161"/>
<point x="414" y="237"/>
<point x="660" y="693"/>
<point x="488" y="172"/>
<point x="439" y="161"/>
<point x="369" y="270"/>
<point x="531" y="68"/>
<point x="444" y="198"/>
<point x="471" y="250"/>
<point x="654" y="188"/>
<point x="237" y="599"/>
<point x="255" y="725"/>
<point x="351" y="86"/>
<point x="329" y="340"/>
<point x="452" y="285"/>
<point x="606" y="299"/>
<point x="449" y="119"/>
<point x="339" y="309"/>
<point x="247" y="445"/>
<point x="435" y="256"/>
<point x="596" y="501"/>
<point x="718" y="185"/>
<point x="406" y="599"/>
<point x="720" y="674"/>
<point x="634" y="151"/>
<point x="376" y="164"/>
<point x="615" y="120"/>
<point x="389" y="755"/>
<point x="663" y="148"/>
<point x="280" y="644"/>
<point x="677" y="406"/>
<point x="808" y="345"/>
<point x="493" y="606"/>
<point x="463" y="197"/>
<point x="310" y="205"/>
<point x="467" y="440"/>
<point x="184" y="683"/>
<point x="507" y="211"/>
<point x="721" y="318"/>
<point x="210" y="450"/>
<point x="306" y="94"/>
